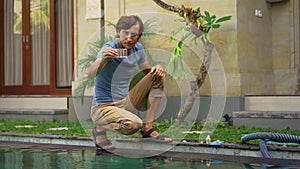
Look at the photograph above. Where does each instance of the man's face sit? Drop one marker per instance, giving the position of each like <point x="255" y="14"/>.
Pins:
<point x="129" y="37"/>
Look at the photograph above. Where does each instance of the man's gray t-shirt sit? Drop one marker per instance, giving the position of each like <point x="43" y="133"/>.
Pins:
<point x="112" y="83"/>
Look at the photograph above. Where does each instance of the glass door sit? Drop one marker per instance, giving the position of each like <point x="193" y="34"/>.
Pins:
<point x="12" y="43"/>
<point x="37" y="45"/>
<point x="26" y="43"/>
<point x="37" y="41"/>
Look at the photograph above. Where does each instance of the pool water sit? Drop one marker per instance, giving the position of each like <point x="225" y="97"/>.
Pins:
<point x="43" y="157"/>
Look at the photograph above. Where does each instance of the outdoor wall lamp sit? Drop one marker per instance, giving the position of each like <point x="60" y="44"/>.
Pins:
<point x="274" y="1"/>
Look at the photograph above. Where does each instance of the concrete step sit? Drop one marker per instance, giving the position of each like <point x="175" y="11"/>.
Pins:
<point x="34" y="102"/>
<point x="33" y="114"/>
<point x="267" y="119"/>
<point x="36" y="108"/>
<point x="272" y="103"/>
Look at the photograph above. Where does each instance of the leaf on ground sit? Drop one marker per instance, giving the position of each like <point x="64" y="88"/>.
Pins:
<point x="59" y="128"/>
<point x="196" y="132"/>
<point x="25" y="126"/>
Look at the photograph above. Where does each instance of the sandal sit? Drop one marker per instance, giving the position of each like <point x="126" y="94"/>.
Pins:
<point x="146" y="136"/>
<point x="105" y="143"/>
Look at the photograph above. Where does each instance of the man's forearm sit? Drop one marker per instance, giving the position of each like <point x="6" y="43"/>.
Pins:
<point x="146" y="71"/>
<point x="96" y="67"/>
<point x="101" y="65"/>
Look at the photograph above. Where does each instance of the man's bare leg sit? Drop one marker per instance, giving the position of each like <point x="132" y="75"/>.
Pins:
<point x="101" y="138"/>
<point x="126" y="127"/>
<point x="150" y="117"/>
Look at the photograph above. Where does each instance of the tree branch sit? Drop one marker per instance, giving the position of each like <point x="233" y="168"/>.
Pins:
<point x="168" y="7"/>
<point x="195" y="85"/>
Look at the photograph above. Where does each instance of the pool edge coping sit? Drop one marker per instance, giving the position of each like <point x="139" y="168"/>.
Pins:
<point x="228" y="149"/>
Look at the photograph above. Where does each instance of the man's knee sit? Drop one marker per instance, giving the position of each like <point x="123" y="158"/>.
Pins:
<point x="159" y="80"/>
<point x="130" y="127"/>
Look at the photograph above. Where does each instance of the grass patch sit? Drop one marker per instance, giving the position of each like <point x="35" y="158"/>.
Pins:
<point x="43" y="127"/>
<point x="219" y="131"/>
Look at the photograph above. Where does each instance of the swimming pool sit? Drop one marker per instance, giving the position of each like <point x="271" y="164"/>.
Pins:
<point x="40" y="156"/>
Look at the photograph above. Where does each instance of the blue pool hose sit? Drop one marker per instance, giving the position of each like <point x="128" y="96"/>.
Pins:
<point x="277" y="137"/>
<point x="266" y="136"/>
<point x="263" y="148"/>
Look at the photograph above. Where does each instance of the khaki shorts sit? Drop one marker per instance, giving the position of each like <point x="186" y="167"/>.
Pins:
<point x="123" y="112"/>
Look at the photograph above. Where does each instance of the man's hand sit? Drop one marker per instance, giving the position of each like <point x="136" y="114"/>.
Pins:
<point x="157" y="70"/>
<point x="109" y="53"/>
<point x="97" y="66"/>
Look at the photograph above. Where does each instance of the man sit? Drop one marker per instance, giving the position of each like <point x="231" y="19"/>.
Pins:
<point x="114" y="108"/>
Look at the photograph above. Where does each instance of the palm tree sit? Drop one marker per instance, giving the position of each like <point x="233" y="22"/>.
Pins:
<point x="198" y="25"/>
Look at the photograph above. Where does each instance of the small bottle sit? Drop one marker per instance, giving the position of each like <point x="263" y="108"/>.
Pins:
<point x="201" y="139"/>
<point x="208" y="139"/>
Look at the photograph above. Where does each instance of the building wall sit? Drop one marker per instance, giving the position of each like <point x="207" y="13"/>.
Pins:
<point x="86" y="30"/>
<point x="252" y="55"/>
<point x="160" y="47"/>
<point x="285" y="50"/>
<point x="267" y="52"/>
<point x="255" y="48"/>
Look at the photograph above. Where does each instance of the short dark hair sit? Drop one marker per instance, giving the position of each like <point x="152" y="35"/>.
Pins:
<point x="125" y="22"/>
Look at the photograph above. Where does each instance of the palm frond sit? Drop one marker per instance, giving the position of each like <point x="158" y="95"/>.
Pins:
<point x="85" y="83"/>
<point x="111" y="24"/>
<point x="149" y="28"/>
<point x="93" y="52"/>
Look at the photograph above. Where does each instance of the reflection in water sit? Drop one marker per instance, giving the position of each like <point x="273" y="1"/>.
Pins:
<point x="108" y="161"/>
<point x="11" y="158"/>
